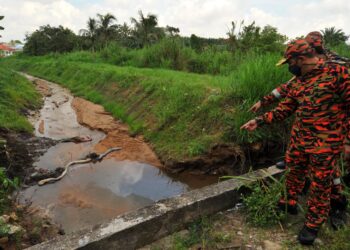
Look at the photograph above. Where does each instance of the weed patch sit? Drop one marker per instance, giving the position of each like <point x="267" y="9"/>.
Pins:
<point x="261" y="204"/>
<point x="202" y="234"/>
<point x="16" y="95"/>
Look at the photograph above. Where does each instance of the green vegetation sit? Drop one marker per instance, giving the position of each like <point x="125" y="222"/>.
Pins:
<point x="144" y="32"/>
<point x="6" y="187"/>
<point x="98" y="32"/>
<point x="129" y="70"/>
<point x="342" y="49"/>
<point x="248" y="37"/>
<point x="336" y="240"/>
<point x="201" y="233"/>
<point x="169" y="53"/>
<point x="184" y="94"/>
<point x="261" y="203"/>
<point x="181" y="114"/>
<point x="334" y="37"/>
<point x="50" y="39"/>
<point x="16" y="95"/>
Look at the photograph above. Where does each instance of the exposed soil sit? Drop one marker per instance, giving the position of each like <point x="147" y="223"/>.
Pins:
<point x="42" y="87"/>
<point x="33" y="227"/>
<point x="133" y="148"/>
<point x="20" y="152"/>
<point x="228" y="159"/>
<point x="41" y="127"/>
<point x="17" y="156"/>
<point x="221" y="159"/>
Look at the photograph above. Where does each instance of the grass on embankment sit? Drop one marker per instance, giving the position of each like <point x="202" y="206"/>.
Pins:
<point x="181" y="114"/>
<point x="166" y="54"/>
<point x="16" y="95"/>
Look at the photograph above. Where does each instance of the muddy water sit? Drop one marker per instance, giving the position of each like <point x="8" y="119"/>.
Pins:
<point x="93" y="193"/>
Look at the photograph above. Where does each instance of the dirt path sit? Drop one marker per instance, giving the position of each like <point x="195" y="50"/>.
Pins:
<point x="133" y="148"/>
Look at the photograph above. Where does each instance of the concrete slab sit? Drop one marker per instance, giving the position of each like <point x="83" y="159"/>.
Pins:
<point x="143" y="226"/>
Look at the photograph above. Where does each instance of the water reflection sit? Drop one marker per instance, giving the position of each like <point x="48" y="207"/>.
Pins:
<point x="93" y="193"/>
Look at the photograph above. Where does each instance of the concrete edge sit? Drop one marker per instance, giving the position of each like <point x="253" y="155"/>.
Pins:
<point x="148" y="224"/>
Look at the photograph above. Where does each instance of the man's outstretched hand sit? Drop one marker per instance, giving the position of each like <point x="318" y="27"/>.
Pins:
<point x="255" y="107"/>
<point x="250" y="126"/>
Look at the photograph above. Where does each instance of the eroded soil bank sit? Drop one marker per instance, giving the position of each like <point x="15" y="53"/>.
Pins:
<point x="117" y="134"/>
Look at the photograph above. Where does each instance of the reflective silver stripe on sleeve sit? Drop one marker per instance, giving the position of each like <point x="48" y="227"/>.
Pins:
<point x="276" y="93"/>
<point x="336" y="181"/>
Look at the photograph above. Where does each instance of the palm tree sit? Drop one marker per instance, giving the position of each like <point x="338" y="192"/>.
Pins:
<point x="91" y="28"/>
<point x="333" y="37"/>
<point x="1" y="28"/>
<point x="125" y="35"/>
<point x="145" y="29"/>
<point x="172" y="31"/>
<point x="234" y="35"/>
<point x="106" y="28"/>
<point x="125" y="30"/>
<point x="100" y="31"/>
<point x="90" y="32"/>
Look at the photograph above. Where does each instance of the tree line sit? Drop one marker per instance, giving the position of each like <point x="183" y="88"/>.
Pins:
<point x="99" y="31"/>
<point x="145" y="31"/>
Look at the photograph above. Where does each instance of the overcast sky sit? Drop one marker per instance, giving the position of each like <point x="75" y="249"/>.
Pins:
<point x="207" y="18"/>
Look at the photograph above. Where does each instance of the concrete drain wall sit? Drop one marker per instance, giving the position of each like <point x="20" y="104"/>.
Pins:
<point x="146" y="225"/>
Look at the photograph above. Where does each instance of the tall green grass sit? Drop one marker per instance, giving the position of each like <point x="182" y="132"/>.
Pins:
<point x="16" y="95"/>
<point x="169" y="53"/>
<point x="181" y="114"/>
<point x="255" y="77"/>
<point x="342" y="50"/>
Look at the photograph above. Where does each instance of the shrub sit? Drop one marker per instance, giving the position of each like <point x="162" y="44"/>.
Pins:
<point x="261" y="203"/>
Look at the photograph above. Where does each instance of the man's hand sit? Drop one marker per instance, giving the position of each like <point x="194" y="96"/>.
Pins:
<point x="256" y="107"/>
<point x="347" y="153"/>
<point x="250" y="126"/>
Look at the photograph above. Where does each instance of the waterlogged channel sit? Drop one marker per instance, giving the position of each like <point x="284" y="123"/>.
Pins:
<point x="96" y="192"/>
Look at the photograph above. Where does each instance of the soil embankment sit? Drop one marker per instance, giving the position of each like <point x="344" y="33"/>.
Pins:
<point x="117" y="134"/>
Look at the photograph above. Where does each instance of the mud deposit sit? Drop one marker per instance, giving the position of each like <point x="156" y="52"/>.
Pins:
<point x="94" y="193"/>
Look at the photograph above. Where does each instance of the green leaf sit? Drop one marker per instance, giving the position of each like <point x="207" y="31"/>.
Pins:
<point x="16" y="182"/>
<point x="5" y="183"/>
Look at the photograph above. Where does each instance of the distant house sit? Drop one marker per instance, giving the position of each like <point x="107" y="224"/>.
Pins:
<point x="6" y="50"/>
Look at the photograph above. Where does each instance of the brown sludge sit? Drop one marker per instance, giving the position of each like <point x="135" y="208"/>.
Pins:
<point x="133" y="148"/>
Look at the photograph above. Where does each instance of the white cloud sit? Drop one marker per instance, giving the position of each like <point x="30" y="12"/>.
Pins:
<point x="27" y="16"/>
<point x="202" y="17"/>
